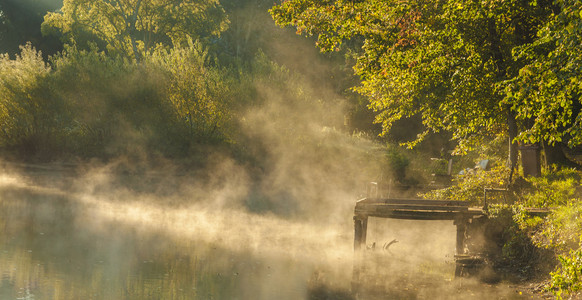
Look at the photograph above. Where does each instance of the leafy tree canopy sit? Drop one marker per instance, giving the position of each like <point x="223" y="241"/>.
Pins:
<point x="547" y="90"/>
<point x="133" y="27"/>
<point x="454" y="63"/>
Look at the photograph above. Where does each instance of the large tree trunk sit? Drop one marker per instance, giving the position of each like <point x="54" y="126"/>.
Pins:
<point x="554" y="155"/>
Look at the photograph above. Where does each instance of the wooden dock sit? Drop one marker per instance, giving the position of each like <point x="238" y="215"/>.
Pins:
<point x="414" y="209"/>
<point x="460" y="212"/>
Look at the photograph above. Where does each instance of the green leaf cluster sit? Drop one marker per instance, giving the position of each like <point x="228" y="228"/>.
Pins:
<point x="467" y="67"/>
<point x="87" y="103"/>
<point x="552" y="189"/>
<point x="470" y="187"/>
<point x="198" y="92"/>
<point x="27" y="110"/>
<point x="546" y="91"/>
<point x="568" y="279"/>
<point x="561" y="231"/>
<point x="132" y="28"/>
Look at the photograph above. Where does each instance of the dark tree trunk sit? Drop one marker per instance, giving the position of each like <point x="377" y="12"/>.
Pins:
<point x="512" y="132"/>
<point x="554" y="155"/>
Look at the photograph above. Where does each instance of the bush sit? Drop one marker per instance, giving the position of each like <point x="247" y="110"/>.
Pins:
<point x="28" y="115"/>
<point x="200" y="95"/>
<point x="470" y="187"/>
<point x="116" y="106"/>
<point x="398" y="163"/>
<point x="567" y="280"/>
<point x="562" y="229"/>
<point x="553" y="188"/>
<point x="89" y="104"/>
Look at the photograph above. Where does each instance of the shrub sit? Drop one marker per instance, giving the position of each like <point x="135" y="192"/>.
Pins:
<point x="398" y="163"/>
<point x="553" y="188"/>
<point x="30" y="115"/>
<point x="197" y="92"/>
<point x="568" y="278"/>
<point x="470" y="187"/>
<point x="562" y="229"/>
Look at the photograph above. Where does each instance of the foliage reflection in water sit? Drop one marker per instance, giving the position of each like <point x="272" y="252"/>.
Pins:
<point x="48" y="253"/>
<point x="56" y="245"/>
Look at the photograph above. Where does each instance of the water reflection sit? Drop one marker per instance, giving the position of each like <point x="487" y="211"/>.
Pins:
<point x="57" y="245"/>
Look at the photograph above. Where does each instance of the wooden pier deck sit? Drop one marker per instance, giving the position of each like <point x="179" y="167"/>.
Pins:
<point x="460" y="212"/>
<point x="415" y="209"/>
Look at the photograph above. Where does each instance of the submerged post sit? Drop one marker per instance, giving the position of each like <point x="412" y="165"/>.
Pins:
<point x="461" y="227"/>
<point x="360" y="233"/>
<point x="461" y="223"/>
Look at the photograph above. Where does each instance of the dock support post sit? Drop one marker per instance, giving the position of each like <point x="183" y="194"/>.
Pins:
<point x="360" y="233"/>
<point x="461" y="223"/>
<point x="460" y="249"/>
<point x="461" y="226"/>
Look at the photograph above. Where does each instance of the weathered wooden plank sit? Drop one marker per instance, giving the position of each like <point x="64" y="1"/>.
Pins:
<point x="417" y="214"/>
<point x="538" y="212"/>
<point x="413" y="215"/>
<point x="415" y="209"/>
<point x="412" y="202"/>
<point x="412" y="207"/>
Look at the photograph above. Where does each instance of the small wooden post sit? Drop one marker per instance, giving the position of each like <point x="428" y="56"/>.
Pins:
<point x="364" y="231"/>
<point x="461" y="227"/>
<point x="360" y="233"/>
<point x="461" y="223"/>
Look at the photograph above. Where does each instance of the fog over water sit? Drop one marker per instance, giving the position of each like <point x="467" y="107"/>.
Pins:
<point x="143" y="227"/>
<point x="278" y="227"/>
<point x="95" y="239"/>
<point x="267" y="214"/>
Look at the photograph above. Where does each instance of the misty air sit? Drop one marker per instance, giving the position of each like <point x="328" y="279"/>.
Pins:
<point x="317" y="150"/>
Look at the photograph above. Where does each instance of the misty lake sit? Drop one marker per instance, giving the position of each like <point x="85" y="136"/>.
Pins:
<point x="65" y="245"/>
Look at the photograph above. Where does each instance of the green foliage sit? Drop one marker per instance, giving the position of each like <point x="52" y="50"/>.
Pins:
<point x="553" y="188"/>
<point x="29" y="115"/>
<point x="132" y="28"/>
<point x="512" y="228"/>
<point x="470" y="187"/>
<point x="546" y="92"/>
<point x="568" y="278"/>
<point x="398" y="163"/>
<point x="562" y="229"/>
<point x="561" y="232"/>
<point x="117" y="106"/>
<point x="200" y="95"/>
<point x="443" y="61"/>
<point x="525" y="220"/>
<point x="439" y="166"/>
<point x="92" y="104"/>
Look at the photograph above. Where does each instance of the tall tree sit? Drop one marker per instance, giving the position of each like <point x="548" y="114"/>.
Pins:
<point x="134" y="27"/>
<point x="547" y="90"/>
<point x="445" y="61"/>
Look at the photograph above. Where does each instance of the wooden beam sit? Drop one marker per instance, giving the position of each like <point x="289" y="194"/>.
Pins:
<point x="412" y="202"/>
<point x="411" y="207"/>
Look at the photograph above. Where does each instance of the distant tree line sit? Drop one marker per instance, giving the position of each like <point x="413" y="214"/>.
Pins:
<point x="104" y="78"/>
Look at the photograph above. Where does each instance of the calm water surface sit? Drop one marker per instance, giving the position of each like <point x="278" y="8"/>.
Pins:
<point x="56" y="245"/>
<point x="53" y="246"/>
